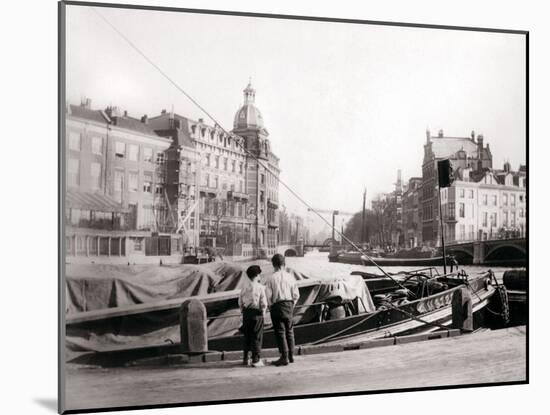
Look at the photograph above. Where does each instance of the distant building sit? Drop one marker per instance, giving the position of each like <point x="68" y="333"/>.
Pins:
<point x="183" y="169"/>
<point x="292" y="228"/>
<point x="464" y="152"/>
<point x="225" y="182"/>
<point x="412" y="222"/>
<point x="115" y="182"/>
<point x="388" y="214"/>
<point x="485" y="204"/>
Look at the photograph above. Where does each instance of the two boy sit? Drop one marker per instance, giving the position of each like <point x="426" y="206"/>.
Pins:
<point x="281" y="294"/>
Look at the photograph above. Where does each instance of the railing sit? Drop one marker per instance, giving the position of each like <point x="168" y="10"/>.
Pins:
<point x="486" y="237"/>
<point x="237" y="195"/>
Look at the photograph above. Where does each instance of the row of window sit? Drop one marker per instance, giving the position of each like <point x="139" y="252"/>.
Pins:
<point x="214" y="182"/>
<point x="95" y="245"/>
<point x="148" y="185"/>
<point x="131" y="152"/>
<point x="210" y="161"/>
<point x="122" y="150"/>
<point x="215" y="207"/>
<point x="427" y="212"/>
<point x="96" y="178"/>
<point x="462" y="208"/>
<point x="494" y="198"/>
<point x="227" y="141"/>
<point x="239" y="232"/>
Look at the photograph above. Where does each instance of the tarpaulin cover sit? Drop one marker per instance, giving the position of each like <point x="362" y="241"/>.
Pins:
<point x="95" y="287"/>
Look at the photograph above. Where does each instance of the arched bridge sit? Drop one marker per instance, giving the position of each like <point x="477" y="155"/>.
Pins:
<point x="512" y="252"/>
<point x="290" y="250"/>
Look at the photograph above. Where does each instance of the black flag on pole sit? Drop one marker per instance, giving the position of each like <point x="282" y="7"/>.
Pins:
<point x="445" y="173"/>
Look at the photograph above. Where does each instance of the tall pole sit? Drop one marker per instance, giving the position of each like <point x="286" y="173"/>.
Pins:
<point x="442" y="235"/>
<point x="333" y="224"/>
<point x="363" y="216"/>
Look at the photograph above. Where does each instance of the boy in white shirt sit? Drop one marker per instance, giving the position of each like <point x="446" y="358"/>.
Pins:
<point x="253" y="304"/>
<point x="282" y="295"/>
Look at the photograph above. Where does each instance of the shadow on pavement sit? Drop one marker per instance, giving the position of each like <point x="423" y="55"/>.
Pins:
<point x="48" y="403"/>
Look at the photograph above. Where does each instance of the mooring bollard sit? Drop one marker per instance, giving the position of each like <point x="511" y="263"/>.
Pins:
<point x="193" y="331"/>
<point x="462" y="310"/>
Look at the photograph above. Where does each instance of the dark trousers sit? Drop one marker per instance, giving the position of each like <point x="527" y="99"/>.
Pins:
<point x="281" y="317"/>
<point x="253" y="331"/>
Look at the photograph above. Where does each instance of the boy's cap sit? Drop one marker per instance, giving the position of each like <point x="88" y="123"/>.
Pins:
<point x="253" y="270"/>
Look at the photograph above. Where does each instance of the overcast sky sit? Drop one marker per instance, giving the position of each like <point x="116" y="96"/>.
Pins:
<point x="345" y="105"/>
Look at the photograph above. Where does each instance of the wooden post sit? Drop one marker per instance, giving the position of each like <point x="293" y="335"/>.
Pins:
<point x="193" y="331"/>
<point x="462" y="310"/>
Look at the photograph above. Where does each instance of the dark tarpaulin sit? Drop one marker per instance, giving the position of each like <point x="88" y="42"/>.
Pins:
<point x="95" y="287"/>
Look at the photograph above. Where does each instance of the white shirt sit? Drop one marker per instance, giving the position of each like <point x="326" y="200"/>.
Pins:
<point x="253" y="296"/>
<point x="281" y="286"/>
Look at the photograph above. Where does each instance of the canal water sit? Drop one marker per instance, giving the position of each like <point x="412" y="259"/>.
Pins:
<point x="315" y="264"/>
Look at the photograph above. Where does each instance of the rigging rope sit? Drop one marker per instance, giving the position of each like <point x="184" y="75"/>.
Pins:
<point x="154" y="65"/>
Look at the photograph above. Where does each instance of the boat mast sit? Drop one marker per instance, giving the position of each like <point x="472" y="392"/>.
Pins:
<point x="445" y="178"/>
<point x="363" y="216"/>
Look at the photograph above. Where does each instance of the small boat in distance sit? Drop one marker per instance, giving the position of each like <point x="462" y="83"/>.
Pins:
<point x="408" y="262"/>
<point x="357" y="258"/>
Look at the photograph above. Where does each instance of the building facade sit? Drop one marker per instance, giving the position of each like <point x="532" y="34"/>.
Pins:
<point x="388" y="210"/>
<point x="115" y="182"/>
<point x="261" y="172"/>
<point x="292" y="228"/>
<point x="464" y="152"/>
<point x="154" y="186"/>
<point x="226" y="182"/>
<point x="412" y="221"/>
<point x="486" y="204"/>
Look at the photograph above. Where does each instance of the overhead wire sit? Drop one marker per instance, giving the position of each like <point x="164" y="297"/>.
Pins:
<point x="260" y="163"/>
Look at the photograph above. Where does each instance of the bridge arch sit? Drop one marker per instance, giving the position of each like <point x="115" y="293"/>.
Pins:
<point x="290" y="252"/>
<point x="329" y="241"/>
<point x="506" y="251"/>
<point x="463" y="255"/>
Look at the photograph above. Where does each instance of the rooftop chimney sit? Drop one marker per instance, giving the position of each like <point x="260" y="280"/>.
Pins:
<point x="428" y="135"/>
<point x="480" y="142"/>
<point x="473" y="135"/>
<point x="113" y="113"/>
<point x="163" y="111"/>
<point x="507" y="167"/>
<point x="201" y="120"/>
<point x="144" y="119"/>
<point x="440" y="133"/>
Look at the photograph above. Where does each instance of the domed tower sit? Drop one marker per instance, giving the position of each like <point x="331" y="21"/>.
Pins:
<point x="249" y="124"/>
<point x="262" y="173"/>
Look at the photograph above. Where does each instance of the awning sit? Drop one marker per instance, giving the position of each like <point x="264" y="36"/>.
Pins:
<point x="92" y="201"/>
